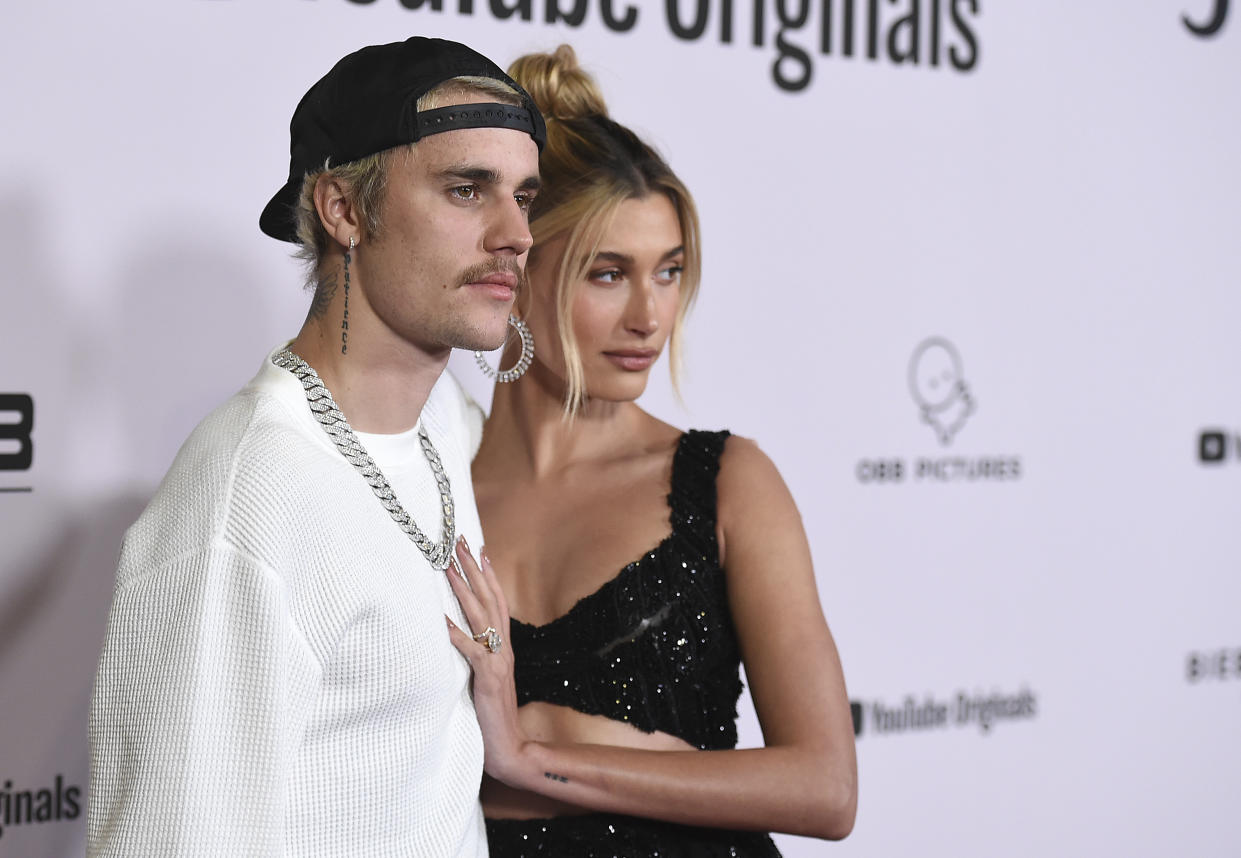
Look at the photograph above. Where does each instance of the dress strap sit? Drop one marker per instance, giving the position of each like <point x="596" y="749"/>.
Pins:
<point x="692" y="499"/>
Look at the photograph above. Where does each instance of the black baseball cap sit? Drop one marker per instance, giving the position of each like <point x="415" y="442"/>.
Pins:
<point x="368" y="103"/>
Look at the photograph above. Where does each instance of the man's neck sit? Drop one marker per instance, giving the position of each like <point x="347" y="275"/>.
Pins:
<point x="380" y="384"/>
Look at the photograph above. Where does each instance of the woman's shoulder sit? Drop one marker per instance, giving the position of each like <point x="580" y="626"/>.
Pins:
<point x="740" y="462"/>
<point x="742" y="455"/>
<point x="739" y="458"/>
<point x="749" y="483"/>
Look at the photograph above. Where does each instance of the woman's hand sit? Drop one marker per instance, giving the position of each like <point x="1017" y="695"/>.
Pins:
<point x="495" y="694"/>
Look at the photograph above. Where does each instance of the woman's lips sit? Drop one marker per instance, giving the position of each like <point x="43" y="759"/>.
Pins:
<point x="633" y="360"/>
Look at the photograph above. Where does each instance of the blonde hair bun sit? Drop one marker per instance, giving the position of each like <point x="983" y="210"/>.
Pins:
<point x="559" y="86"/>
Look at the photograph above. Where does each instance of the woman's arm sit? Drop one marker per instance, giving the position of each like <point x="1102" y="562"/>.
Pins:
<point x="804" y="781"/>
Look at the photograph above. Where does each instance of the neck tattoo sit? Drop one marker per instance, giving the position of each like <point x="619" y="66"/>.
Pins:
<point x="344" y="322"/>
<point x="438" y="554"/>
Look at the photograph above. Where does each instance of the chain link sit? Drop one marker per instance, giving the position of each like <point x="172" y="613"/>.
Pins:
<point x="324" y="408"/>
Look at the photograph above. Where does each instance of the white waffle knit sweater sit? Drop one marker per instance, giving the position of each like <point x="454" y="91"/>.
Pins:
<point x="277" y="677"/>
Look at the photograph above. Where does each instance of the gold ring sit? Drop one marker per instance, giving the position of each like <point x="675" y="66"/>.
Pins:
<point x="490" y="638"/>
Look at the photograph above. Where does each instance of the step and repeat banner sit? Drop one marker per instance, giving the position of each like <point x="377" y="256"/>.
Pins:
<point x="972" y="275"/>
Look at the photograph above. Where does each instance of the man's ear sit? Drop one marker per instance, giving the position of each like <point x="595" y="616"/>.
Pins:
<point x="336" y="212"/>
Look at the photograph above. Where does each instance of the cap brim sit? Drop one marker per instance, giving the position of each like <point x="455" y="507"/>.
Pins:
<point x="277" y="219"/>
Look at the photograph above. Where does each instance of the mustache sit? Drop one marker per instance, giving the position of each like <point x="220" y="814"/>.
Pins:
<point x="499" y="266"/>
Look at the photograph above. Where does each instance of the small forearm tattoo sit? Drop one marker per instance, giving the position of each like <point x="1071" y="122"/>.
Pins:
<point x="552" y="776"/>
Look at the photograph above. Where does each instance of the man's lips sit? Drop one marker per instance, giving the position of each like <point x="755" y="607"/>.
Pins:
<point x="633" y="360"/>
<point x="500" y="278"/>
<point x="500" y="284"/>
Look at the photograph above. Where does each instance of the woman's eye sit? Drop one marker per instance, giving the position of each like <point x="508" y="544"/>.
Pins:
<point x="671" y="274"/>
<point x="609" y="276"/>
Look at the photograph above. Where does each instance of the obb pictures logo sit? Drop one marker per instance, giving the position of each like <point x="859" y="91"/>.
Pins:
<point x="935" y="379"/>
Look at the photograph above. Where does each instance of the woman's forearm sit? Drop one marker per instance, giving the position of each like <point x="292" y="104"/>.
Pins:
<point x="791" y="789"/>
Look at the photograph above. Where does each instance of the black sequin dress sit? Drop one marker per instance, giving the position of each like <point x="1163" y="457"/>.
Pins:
<point x="654" y="647"/>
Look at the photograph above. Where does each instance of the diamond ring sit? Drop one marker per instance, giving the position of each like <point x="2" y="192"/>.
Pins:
<point x="491" y="638"/>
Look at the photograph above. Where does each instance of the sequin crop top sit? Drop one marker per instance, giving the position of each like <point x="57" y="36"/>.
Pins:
<point x="655" y="645"/>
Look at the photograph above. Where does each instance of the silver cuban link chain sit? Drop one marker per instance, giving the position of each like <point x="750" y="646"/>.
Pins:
<point x="337" y="427"/>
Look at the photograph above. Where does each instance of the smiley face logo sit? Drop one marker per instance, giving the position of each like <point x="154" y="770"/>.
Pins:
<point x="937" y="384"/>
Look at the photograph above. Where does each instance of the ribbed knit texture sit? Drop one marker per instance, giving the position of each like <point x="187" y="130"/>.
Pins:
<point x="277" y="677"/>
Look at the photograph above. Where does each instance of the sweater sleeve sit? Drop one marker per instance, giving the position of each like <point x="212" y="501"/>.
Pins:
<point x="202" y="693"/>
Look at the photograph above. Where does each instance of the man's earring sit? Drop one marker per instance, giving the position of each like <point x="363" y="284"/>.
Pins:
<point x="344" y="322"/>
<point x="518" y="369"/>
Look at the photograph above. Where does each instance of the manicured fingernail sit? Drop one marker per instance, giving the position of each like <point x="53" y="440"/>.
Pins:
<point x="482" y="552"/>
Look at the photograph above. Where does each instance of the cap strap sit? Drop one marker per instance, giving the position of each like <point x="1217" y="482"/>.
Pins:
<point x="473" y="116"/>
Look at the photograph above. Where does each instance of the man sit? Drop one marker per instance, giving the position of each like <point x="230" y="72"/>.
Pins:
<point x="277" y="677"/>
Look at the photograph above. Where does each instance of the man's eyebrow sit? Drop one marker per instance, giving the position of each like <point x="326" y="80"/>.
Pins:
<point x="486" y="176"/>
<point x="481" y="175"/>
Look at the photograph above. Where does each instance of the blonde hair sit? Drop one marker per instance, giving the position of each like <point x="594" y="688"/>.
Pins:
<point x="366" y="179"/>
<point x="589" y="167"/>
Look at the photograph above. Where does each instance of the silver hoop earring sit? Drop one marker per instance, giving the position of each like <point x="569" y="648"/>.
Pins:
<point x="517" y="370"/>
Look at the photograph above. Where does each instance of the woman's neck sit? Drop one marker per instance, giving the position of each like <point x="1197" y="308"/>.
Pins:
<point x="528" y="435"/>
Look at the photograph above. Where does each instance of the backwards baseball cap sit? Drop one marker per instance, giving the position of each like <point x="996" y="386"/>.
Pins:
<point x="368" y="103"/>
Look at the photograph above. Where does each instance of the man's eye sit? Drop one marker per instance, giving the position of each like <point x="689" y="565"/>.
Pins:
<point x="524" y="201"/>
<point x="465" y="192"/>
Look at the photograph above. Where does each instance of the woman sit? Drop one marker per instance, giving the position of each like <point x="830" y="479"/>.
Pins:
<point x="620" y="736"/>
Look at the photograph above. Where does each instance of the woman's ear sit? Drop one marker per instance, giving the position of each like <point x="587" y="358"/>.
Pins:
<point x="336" y="211"/>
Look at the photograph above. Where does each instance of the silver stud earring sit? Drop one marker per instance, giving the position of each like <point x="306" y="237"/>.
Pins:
<point x="517" y="370"/>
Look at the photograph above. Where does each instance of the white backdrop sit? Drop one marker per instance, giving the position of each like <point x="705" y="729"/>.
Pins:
<point x="1052" y="189"/>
